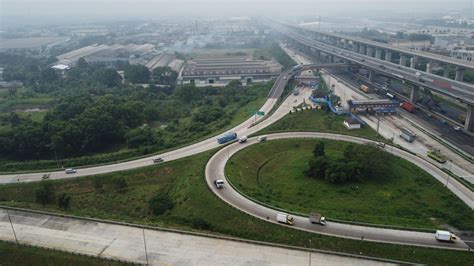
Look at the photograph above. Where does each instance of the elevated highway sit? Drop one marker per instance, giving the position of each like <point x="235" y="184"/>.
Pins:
<point x="347" y="42"/>
<point x="458" y="90"/>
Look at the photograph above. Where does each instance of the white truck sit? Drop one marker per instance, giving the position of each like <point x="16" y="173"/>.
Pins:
<point x="284" y="218"/>
<point x="445" y="236"/>
<point x="316" y="218"/>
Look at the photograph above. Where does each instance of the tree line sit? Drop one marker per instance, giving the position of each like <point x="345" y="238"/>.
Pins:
<point x="358" y="163"/>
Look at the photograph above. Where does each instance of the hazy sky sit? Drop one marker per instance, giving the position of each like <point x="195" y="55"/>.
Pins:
<point x="44" y="11"/>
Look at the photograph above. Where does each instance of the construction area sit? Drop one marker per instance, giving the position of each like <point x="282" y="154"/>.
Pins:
<point x="220" y="71"/>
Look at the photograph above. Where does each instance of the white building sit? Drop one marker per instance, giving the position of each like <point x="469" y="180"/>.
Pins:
<point x="465" y="55"/>
<point x="352" y="123"/>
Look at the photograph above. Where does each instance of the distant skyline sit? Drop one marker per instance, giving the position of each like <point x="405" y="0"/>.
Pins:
<point x="76" y="11"/>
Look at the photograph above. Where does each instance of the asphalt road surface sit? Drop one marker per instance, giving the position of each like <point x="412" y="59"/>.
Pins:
<point x="215" y="170"/>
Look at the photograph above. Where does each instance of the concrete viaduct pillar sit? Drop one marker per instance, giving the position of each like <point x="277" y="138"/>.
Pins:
<point x="369" y="51"/>
<point x="388" y="56"/>
<point x="361" y="49"/>
<point x="413" y="61"/>
<point x="414" y="93"/>
<point x="459" y="74"/>
<point x="429" y="66"/>
<point x="371" y="76"/>
<point x="403" y="60"/>
<point x="469" y="125"/>
<point x="378" y="53"/>
<point x="446" y="72"/>
<point x="355" y="47"/>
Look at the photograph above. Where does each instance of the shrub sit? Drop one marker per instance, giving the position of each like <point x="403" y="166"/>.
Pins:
<point x="160" y="203"/>
<point x="45" y="193"/>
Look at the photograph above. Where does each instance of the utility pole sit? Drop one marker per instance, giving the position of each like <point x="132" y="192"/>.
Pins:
<point x="13" y="229"/>
<point x="378" y="125"/>
<point x="144" y="242"/>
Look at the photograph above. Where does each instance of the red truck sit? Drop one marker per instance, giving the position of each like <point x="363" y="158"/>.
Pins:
<point x="408" y="106"/>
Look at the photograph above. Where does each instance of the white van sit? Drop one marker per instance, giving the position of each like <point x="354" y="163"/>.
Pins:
<point x="261" y="138"/>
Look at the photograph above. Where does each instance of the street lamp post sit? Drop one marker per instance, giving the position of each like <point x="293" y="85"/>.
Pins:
<point x="310" y="252"/>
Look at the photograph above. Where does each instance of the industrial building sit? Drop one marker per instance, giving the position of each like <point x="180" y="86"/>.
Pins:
<point x="219" y="72"/>
<point x="109" y="55"/>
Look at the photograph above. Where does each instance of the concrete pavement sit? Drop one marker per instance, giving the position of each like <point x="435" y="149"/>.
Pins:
<point x="215" y="170"/>
<point x="163" y="248"/>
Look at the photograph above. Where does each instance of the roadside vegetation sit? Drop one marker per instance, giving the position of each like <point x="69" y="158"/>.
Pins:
<point x="270" y="49"/>
<point x="347" y="182"/>
<point x="97" y="118"/>
<point x="175" y="195"/>
<point x="13" y="255"/>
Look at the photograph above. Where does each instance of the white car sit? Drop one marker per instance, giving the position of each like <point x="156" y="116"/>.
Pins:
<point x="243" y="139"/>
<point x="457" y="128"/>
<point x="70" y="171"/>
<point x="219" y="183"/>
<point x="261" y="138"/>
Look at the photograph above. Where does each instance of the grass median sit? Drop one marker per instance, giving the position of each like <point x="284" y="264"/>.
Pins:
<point x="315" y="120"/>
<point x="11" y="254"/>
<point x="187" y="203"/>
<point x="273" y="173"/>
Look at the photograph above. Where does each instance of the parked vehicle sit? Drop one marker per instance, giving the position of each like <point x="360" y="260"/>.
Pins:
<point x="457" y="128"/>
<point x="435" y="155"/>
<point x="261" y="138"/>
<point x="71" y="171"/>
<point x="364" y="88"/>
<point x="389" y="95"/>
<point x="445" y="236"/>
<point x="296" y="92"/>
<point x="316" y="218"/>
<point x="285" y="218"/>
<point x="407" y="135"/>
<point x="227" y="137"/>
<point x="219" y="183"/>
<point x="243" y="139"/>
<point x="408" y="106"/>
<point x="157" y="160"/>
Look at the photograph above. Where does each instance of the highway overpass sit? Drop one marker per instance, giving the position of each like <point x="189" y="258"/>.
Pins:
<point x="377" y="49"/>
<point x="458" y="90"/>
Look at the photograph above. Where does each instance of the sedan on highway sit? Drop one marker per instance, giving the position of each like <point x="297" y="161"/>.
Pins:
<point x="157" y="160"/>
<point x="70" y="171"/>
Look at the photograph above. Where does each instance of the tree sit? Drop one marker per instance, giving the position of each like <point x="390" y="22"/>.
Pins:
<point x="64" y="201"/>
<point x="137" y="74"/>
<point x="160" y="203"/>
<point x="49" y="75"/>
<point x="108" y="77"/>
<point x="165" y="75"/>
<point x="81" y="63"/>
<point x="317" y="167"/>
<point x="45" y="193"/>
<point x="319" y="149"/>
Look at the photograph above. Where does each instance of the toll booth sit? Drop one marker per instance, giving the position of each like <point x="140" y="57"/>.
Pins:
<point x="383" y="106"/>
